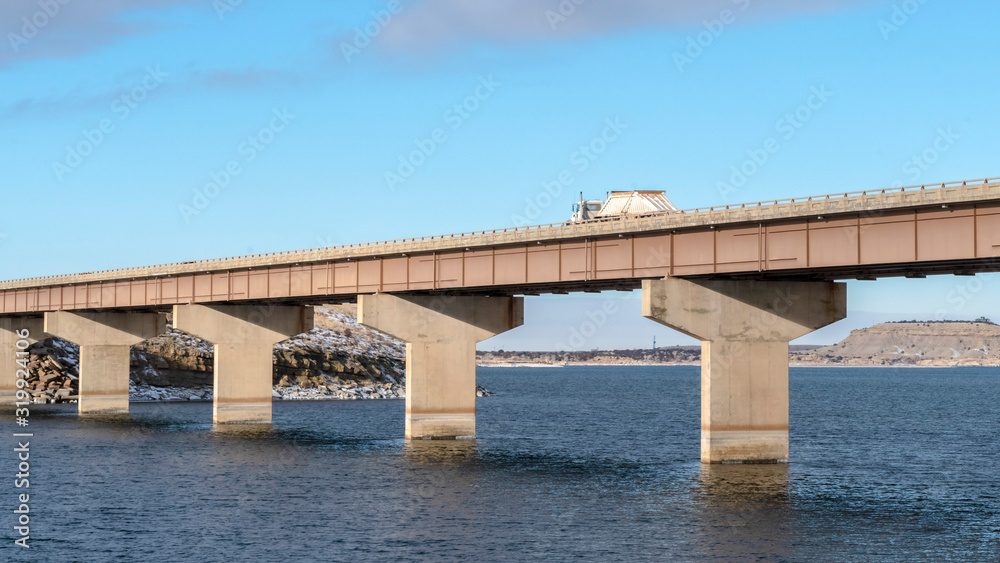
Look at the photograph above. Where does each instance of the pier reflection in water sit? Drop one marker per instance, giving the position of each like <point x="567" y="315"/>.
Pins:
<point x="744" y="511"/>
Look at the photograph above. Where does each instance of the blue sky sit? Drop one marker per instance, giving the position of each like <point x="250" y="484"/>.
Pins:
<point x="312" y="105"/>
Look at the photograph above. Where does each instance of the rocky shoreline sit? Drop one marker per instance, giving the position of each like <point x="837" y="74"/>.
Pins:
<point x="338" y="360"/>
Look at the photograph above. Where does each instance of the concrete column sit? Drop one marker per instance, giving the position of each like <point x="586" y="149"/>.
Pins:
<point x="441" y="333"/>
<point x="745" y="327"/>
<point x="105" y="341"/>
<point x="244" y="337"/>
<point x="9" y="327"/>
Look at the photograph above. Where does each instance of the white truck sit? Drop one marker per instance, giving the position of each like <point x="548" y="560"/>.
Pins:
<point x="622" y="203"/>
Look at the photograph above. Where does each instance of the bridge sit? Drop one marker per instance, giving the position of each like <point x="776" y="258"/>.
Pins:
<point x="745" y="279"/>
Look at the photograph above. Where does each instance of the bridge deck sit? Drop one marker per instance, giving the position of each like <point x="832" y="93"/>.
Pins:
<point x="919" y="230"/>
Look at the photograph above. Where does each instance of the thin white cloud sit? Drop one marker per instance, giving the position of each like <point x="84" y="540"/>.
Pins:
<point x="35" y="30"/>
<point x="432" y="24"/>
<point x="76" y="101"/>
<point x="247" y="77"/>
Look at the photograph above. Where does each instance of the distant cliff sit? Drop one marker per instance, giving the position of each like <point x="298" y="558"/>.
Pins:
<point x="913" y="344"/>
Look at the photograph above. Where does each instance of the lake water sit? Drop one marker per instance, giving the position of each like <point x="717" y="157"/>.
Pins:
<point x="582" y="463"/>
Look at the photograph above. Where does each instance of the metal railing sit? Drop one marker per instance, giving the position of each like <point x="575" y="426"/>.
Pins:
<point x="616" y="218"/>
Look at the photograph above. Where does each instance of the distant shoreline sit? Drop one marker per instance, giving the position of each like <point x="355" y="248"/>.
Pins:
<point x="696" y="364"/>
<point x="892" y="345"/>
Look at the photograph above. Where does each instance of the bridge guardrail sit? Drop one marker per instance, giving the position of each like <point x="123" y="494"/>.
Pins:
<point x="727" y="207"/>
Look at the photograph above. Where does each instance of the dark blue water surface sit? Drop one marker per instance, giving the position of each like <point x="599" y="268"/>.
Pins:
<point x="576" y="463"/>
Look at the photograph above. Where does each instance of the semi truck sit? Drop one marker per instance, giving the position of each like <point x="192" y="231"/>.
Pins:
<point x="622" y="203"/>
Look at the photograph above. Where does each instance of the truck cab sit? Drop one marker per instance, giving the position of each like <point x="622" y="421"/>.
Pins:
<point x="586" y="210"/>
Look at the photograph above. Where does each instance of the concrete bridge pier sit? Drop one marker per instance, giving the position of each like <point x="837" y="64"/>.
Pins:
<point x="745" y="328"/>
<point x="9" y="327"/>
<point x="244" y="337"/>
<point x="105" y="341"/>
<point x="441" y="333"/>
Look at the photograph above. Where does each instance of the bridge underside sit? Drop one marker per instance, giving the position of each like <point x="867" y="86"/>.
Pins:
<point x="968" y="267"/>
